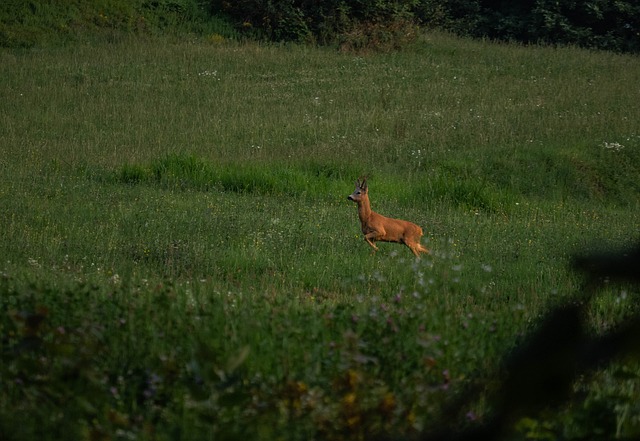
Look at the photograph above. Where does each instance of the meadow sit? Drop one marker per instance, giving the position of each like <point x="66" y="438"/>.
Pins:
<point x="180" y="261"/>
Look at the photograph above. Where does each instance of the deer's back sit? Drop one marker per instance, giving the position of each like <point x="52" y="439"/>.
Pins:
<point x="394" y="229"/>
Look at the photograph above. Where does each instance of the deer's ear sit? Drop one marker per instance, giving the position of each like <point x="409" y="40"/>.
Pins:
<point x="364" y="185"/>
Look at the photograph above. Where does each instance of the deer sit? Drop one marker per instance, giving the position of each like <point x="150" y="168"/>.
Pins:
<point x="377" y="227"/>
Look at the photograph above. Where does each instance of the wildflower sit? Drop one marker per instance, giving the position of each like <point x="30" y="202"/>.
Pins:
<point x="209" y="73"/>
<point x="446" y="379"/>
<point x="614" y="146"/>
<point x="216" y="38"/>
<point x="353" y="421"/>
<point x="353" y="378"/>
<point x="301" y="387"/>
<point x="349" y="400"/>
<point x="430" y="362"/>
<point x="388" y="403"/>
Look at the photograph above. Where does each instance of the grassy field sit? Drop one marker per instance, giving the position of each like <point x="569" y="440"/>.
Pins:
<point x="180" y="261"/>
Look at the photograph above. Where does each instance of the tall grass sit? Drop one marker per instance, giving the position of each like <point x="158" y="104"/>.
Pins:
<point x="180" y="260"/>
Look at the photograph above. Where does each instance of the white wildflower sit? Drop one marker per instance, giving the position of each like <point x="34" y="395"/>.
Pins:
<point x="614" y="146"/>
<point x="209" y="73"/>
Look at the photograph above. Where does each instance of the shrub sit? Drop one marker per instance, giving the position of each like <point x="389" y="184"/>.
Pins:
<point x="354" y="25"/>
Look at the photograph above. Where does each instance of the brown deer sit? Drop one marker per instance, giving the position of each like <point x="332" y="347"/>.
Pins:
<point x="377" y="227"/>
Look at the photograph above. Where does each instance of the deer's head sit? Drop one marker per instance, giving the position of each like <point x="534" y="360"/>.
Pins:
<point x="360" y="192"/>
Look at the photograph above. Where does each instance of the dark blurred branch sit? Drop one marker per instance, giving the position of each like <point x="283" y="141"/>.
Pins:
<point x="541" y="373"/>
<point x="622" y="266"/>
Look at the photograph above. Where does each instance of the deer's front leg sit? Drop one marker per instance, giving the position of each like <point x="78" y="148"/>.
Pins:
<point x="370" y="238"/>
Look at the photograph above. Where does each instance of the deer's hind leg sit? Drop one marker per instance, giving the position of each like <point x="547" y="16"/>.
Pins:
<point x="417" y="248"/>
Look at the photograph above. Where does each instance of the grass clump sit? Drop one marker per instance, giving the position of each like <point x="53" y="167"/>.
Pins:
<point x="188" y="172"/>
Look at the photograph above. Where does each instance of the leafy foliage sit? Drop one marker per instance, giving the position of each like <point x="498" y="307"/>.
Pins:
<point x="352" y="25"/>
<point x="602" y="24"/>
<point x="355" y="25"/>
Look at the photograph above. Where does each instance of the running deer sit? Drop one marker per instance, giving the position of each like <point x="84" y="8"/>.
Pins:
<point x="377" y="227"/>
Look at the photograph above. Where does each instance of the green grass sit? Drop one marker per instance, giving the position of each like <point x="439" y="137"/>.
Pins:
<point x="179" y="259"/>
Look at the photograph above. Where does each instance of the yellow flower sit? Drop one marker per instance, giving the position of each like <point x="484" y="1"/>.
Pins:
<point x="388" y="403"/>
<point x="349" y="400"/>
<point x="216" y="38"/>
<point x="353" y="421"/>
<point x="352" y="378"/>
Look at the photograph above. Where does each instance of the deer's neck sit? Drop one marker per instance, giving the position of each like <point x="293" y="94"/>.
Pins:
<point x="364" y="210"/>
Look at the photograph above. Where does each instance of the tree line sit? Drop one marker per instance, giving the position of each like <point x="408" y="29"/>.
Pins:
<point x="352" y="24"/>
<point x="599" y="24"/>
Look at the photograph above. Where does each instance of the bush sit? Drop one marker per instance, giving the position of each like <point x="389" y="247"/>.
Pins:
<point x="352" y="24"/>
